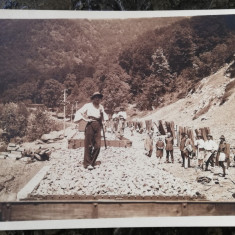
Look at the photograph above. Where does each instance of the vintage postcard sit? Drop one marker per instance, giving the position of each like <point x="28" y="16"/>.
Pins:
<point x="117" y="117"/>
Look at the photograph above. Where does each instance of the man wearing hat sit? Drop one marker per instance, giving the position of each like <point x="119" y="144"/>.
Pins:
<point x="182" y="145"/>
<point x="93" y="113"/>
<point x="159" y="149"/>
<point x="210" y="148"/>
<point x="169" y="140"/>
<point x="122" y="121"/>
<point x="148" y="144"/>
<point x="115" y="120"/>
<point x="199" y="143"/>
<point x="222" y="153"/>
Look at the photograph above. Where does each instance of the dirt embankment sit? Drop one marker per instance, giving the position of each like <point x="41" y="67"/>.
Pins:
<point x="14" y="176"/>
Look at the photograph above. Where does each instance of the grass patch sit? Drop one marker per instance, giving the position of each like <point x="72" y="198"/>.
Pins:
<point x="228" y="92"/>
<point x="203" y="110"/>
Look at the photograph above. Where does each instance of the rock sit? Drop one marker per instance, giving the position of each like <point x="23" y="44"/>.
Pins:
<point x="12" y="147"/>
<point x="3" y="146"/>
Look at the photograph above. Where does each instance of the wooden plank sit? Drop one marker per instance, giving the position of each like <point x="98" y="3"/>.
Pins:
<point x="148" y="124"/>
<point x="82" y="125"/>
<point x="203" y="132"/>
<point x="161" y="128"/>
<point x="79" y="143"/>
<point x="172" y="127"/>
<point x="55" y="210"/>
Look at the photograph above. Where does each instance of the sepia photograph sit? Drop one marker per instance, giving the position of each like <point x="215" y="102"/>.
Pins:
<point x="117" y="118"/>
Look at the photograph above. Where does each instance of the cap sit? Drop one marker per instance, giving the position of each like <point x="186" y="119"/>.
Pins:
<point x="222" y="137"/>
<point x="97" y="94"/>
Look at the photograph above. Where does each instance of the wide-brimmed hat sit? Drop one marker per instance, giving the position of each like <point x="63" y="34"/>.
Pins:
<point x="97" y="94"/>
<point x="209" y="135"/>
<point x="222" y="137"/>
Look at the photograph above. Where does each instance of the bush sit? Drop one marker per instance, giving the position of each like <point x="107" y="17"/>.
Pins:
<point x="14" y="119"/>
<point x="39" y="124"/>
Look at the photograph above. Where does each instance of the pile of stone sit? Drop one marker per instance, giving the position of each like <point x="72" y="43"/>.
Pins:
<point x="17" y="152"/>
<point x="122" y="172"/>
<point x="52" y="137"/>
<point x="40" y="154"/>
<point x="14" y="151"/>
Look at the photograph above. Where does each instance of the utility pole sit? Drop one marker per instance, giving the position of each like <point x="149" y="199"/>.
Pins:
<point x="64" y="109"/>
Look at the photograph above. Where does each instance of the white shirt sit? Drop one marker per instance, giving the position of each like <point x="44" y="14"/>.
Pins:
<point x="115" y="115"/>
<point x="122" y="114"/>
<point x="210" y="145"/>
<point x="200" y="143"/>
<point x="90" y="110"/>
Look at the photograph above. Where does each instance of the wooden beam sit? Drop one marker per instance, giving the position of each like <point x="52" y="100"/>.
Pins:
<point x="56" y="210"/>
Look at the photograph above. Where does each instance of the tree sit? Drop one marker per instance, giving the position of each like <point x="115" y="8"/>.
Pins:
<point x="39" y="124"/>
<point x="14" y="119"/>
<point x="51" y="93"/>
<point x="115" y="91"/>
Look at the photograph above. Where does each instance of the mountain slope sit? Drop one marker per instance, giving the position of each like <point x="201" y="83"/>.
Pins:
<point x="203" y="108"/>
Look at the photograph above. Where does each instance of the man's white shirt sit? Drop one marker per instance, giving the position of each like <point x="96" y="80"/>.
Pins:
<point x="89" y="110"/>
<point x="200" y="143"/>
<point x="210" y="145"/>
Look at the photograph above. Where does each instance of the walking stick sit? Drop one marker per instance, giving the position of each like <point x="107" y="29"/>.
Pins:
<point x="102" y="126"/>
<point x="104" y="136"/>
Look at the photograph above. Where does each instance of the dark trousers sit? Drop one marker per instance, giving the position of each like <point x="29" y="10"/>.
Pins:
<point x="150" y="153"/>
<point x="223" y="167"/>
<point x="184" y="156"/>
<point x="92" y="143"/>
<point x="210" y="161"/>
<point x="169" y="152"/>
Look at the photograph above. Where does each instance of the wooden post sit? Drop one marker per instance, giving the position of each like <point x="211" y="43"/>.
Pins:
<point x="72" y="114"/>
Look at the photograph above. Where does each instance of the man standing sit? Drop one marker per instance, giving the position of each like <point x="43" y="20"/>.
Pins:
<point x="222" y="153"/>
<point x="122" y="122"/>
<point x="210" y="148"/>
<point x="188" y="149"/>
<point x="182" y="145"/>
<point x="199" y="143"/>
<point x="169" y="147"/>
<point x="94" y="114"/>
<point x="115" y="120"/>
<point x="148" y="145"/>
<point x="160" y="147"/>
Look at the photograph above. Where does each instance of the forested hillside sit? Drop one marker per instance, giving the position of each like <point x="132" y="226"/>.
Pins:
<point x="167" y="63"/>
<point x="147" y="62"/>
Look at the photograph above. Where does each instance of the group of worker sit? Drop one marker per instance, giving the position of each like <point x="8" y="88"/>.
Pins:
<point x="95" y="116"/>
<point x="206" y="152"/>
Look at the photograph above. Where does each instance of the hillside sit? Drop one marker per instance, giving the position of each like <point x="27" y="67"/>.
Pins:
<point x="32" y="52"/>
<point x="205" y="107"/>
<point x="148" y="63"/>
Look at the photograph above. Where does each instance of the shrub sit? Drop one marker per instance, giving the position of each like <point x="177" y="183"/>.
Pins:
<point x="39" y="124"/>
<point x="14" y="119"/>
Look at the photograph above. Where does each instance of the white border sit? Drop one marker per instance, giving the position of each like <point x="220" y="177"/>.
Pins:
<point x="189" y="221"/>
<point x="47" y="14"/>
<point x="195" y="221"/>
